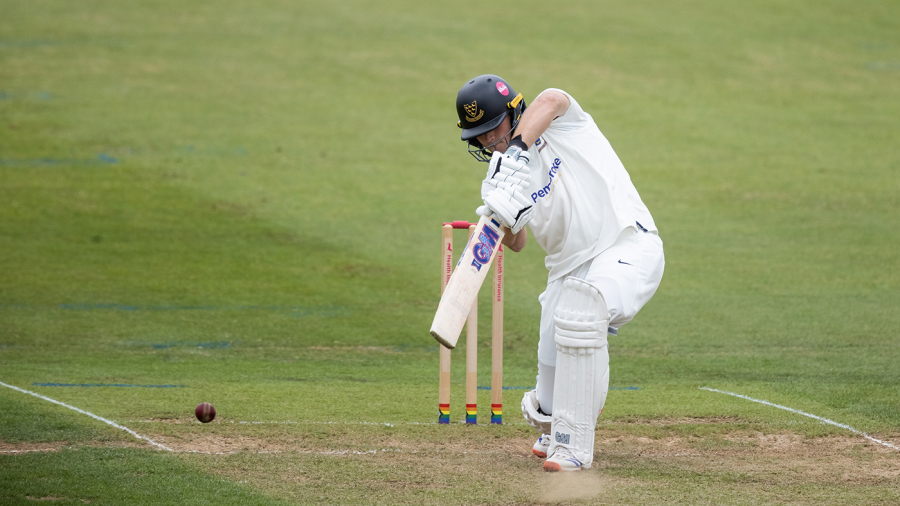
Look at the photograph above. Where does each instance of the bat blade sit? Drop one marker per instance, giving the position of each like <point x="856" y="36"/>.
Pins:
<point x="462" y="289"/>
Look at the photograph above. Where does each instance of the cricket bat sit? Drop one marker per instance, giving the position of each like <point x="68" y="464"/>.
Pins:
<point x="462" y="289"/>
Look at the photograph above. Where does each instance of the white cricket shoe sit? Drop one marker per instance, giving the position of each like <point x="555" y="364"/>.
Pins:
<point x="541" y="446"/>
<point x="563" y="460"/>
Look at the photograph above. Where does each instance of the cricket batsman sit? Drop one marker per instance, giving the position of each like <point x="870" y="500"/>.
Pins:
<point x="550" y="167"/>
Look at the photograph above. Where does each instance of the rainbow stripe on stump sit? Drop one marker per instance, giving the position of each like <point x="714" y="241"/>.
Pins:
<point x="497" y="413"/>
<point x="471" y="413"/>
<point x="444" y="416"/>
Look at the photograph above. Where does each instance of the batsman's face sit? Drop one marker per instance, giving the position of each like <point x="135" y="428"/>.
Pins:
<point x="498" y="138"/>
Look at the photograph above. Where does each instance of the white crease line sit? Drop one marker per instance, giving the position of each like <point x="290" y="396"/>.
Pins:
<point x="341" y="452"/>
<point x="83" y="412"/>
<point x="308" y="452"/>
<point x="327" y="453"/>
<point x="331" y="452"/>
<point x="797" y="411"/>
<point x="313" y="422"/>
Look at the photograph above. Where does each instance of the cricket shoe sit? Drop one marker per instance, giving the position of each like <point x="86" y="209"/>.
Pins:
<point x="563" y="460"/>
<point x="541" y="446"/>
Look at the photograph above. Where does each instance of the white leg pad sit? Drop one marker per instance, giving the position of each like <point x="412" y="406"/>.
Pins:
<point x="535" y="418"/>
<point x="582" y="369"/>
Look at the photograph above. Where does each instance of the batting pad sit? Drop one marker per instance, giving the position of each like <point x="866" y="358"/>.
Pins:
<point x="582" y="368"/>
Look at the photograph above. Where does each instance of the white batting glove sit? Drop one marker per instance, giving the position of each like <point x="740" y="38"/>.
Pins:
<point x="518" y="150"/>
<point x="508" y="168"/>
<point x="510" y="165"/>
<point x="510" y="205"/>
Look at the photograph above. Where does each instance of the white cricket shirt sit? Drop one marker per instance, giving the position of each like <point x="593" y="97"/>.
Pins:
<point x="582" y="194"/>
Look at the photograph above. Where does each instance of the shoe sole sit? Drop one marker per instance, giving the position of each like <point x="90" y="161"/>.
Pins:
<point x="540" y="454"/>
<point x="553" y="467"/>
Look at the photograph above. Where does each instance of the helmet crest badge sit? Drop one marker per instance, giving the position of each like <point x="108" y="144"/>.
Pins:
<point x="472" y="112"/>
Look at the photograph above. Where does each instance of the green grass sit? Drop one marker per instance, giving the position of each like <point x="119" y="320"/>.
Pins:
<point x="243" y="200"/>
<point x="126" y="476"/>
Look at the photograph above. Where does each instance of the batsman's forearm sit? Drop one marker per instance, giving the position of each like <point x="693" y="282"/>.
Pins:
<point x="537" y="118"/>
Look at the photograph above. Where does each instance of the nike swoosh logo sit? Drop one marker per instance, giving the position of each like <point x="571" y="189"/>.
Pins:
<point x="626" y="263"/>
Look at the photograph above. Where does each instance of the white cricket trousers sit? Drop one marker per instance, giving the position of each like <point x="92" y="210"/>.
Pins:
<point x="627" y="274"/>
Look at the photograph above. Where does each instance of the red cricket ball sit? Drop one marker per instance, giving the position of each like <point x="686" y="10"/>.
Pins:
<point x="205" y="412"/>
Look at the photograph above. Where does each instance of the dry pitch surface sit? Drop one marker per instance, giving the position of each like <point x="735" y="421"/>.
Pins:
<point x="686" y="460"/>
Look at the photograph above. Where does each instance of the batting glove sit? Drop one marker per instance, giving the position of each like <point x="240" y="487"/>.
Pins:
<point x="511" y="206"/>
<point x="510" y="168"/>
<point x="518" y="149"/>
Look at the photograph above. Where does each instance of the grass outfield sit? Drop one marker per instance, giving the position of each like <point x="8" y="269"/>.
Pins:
<point x="240" y="203"/>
